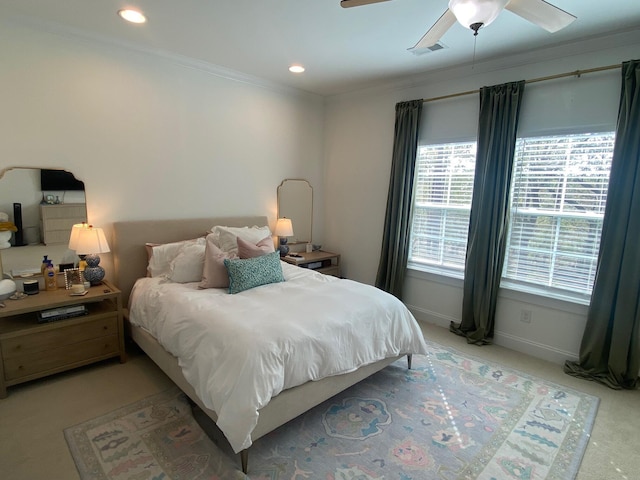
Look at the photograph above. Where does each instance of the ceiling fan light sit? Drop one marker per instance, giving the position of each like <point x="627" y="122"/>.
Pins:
<point x="469" y="12"/>
<point x="132" y="16"/>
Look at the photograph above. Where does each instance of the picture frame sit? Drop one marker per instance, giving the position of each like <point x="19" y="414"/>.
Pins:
<point x="72" y="276"/>
<point x="63" y="267"/>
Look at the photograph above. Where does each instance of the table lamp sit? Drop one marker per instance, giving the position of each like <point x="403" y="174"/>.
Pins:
<point x="73" y="242"/>
<point x="89" y="241"/>
<point x="284" y="229"/>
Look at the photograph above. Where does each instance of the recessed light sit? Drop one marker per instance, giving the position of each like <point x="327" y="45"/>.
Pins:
<point x="296" y="68"/>
<point x="132" y="16"/>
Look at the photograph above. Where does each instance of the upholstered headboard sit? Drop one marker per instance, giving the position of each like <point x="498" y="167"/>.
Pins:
<point x="129" y="238"/>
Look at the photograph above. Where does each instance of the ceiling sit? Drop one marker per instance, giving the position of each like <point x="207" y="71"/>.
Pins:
<point x="342" y="49"/>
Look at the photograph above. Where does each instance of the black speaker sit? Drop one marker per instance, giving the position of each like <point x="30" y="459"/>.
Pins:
<point x="17" y="220"/>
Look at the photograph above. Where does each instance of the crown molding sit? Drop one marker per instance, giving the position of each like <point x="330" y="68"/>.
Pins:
<point x="109" y="42"/>
<point x="575" y="48"/>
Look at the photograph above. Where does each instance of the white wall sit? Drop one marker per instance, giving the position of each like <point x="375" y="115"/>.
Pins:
<point x="152" y="136"/>
<point x="358" y="149"/>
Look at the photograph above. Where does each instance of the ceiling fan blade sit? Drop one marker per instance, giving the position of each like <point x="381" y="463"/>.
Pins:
<point x="357" y="3"/>
<point x="543" y="14"/>
<point x="435" y="33"/>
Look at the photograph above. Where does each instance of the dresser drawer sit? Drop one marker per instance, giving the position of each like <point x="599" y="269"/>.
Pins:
<point x="52" y="237"/>
<point x="59" y="358"/>
<point x="40" y="342"/>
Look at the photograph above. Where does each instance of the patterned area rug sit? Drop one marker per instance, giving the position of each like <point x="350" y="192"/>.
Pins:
<point x="450" y="417"/>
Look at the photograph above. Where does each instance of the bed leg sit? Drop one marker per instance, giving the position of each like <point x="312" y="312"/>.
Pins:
<point x="244" y="460"/>
<point x="409" y="358"/>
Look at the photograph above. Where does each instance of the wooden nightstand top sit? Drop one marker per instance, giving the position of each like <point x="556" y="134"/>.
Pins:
<point x="56" y="298"/>
<point x="317" y="256"/>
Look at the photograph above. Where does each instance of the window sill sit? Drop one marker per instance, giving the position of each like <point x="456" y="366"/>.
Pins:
<point x="564" y="302"/>
<point x="435" y="274"/>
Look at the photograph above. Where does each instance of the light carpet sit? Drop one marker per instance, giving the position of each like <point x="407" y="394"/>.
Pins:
<point x="451" y="416"/>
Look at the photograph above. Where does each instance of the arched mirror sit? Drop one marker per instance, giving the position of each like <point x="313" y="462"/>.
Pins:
<point x="43" y="204"/>
<point x="295" y="201"/>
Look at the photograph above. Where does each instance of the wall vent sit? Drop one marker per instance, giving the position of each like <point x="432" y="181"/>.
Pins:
<point x="433" y="48"/>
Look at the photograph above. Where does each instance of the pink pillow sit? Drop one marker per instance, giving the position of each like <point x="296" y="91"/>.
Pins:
<point x="249" y="250"/>
<point x="214" y="273"/>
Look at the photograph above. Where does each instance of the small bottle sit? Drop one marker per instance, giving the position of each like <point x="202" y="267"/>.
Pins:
<point x="50" y="279"/>
<point x="45" y="264"/>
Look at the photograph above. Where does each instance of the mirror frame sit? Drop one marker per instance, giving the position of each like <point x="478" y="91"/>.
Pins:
<point x="280" y="215"/>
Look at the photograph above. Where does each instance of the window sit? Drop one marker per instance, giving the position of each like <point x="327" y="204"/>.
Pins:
<point x="442" y="202"/>
<point x="557" y="207"/>
<point x="558" y="199"/>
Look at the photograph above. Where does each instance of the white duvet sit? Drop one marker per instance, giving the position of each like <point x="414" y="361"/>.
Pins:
<point x="238" y="351"/>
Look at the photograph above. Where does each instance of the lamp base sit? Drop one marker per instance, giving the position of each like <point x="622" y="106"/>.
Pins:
<point x="283" y="248"/>
<point x="93" y="272"/>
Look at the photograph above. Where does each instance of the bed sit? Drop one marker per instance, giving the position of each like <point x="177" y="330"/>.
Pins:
<point x="160" y="331"/>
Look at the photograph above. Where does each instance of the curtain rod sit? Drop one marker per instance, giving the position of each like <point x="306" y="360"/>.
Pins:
<point x="575" y="73"/>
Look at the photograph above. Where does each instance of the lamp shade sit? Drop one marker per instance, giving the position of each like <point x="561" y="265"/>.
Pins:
<point x="89" y="240"/>
<point x="470" y="12"/>
<point x="284" y="227"/>
<point x="75" y="233"/>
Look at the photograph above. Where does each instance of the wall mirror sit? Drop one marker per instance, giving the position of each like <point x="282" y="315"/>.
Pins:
<point x="295" y="201"/>
<point x="59" y="196"/>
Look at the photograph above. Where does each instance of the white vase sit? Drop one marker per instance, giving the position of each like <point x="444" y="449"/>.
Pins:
<point x="5" y="236"/>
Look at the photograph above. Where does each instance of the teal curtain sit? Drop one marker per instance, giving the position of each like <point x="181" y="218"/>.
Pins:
<point x="486" y="243"/>
<point x="397" y="221"/>
<point x="610" y="348"/>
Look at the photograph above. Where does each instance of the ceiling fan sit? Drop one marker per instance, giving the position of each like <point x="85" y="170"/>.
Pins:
<point x="475" y="14"/>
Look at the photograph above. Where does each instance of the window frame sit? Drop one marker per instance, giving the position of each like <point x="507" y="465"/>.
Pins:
<point x="557" y="216"/>
<point x="529" y="288"/>
<point x="433" y="267"/>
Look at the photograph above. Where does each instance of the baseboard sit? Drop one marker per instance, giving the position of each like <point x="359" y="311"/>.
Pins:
<point x="429" y="316"/>
<point x="512" y="342"/>
<point x="535" y="349"/>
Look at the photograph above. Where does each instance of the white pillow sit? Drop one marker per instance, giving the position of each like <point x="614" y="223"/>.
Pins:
<point x="162" y="255"/>
<point x="188" y="264"/>
<point x="225" y="238"/>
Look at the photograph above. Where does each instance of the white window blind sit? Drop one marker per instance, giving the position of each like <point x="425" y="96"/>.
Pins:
<point x="559" y="194"/>
<point x="442" y="202"/>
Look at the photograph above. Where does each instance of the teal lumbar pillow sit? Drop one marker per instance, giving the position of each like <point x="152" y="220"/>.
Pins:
<point x="253" y="272"/>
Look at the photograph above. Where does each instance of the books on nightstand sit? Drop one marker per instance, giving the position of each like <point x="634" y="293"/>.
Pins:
<point x="61" y="313"/>
<point x="316" y="265"/>
<point x="312" y="265"/>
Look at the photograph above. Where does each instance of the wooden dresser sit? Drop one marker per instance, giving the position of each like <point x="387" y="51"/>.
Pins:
<point x="30" y="350"/>
<point x="56" y="221"/>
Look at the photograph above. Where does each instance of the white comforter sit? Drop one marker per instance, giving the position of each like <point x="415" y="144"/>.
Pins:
<point x="238" y="351"/>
